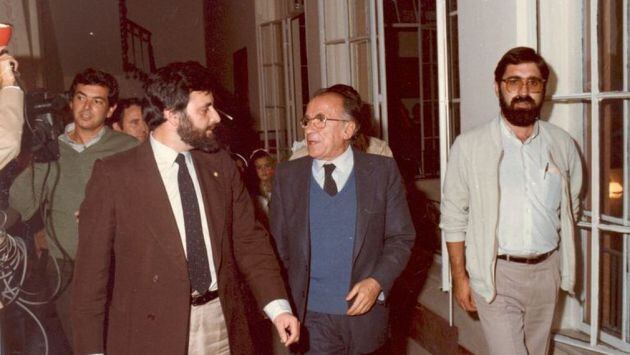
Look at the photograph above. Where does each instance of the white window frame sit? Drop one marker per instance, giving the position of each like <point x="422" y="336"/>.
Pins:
<point x="377" y="56"/>
<point x="292" y="99"/>
<point x="445" y="122"/>
<point x="598" y="224"/>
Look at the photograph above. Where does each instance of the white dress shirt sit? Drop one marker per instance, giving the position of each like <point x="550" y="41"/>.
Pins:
<point x="343" y="168"/>
<point x="165" y="159"/>
<point x="530" y="195"/>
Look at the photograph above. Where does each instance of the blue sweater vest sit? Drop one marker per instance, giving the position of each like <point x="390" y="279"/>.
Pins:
<point x="333" y="229"/>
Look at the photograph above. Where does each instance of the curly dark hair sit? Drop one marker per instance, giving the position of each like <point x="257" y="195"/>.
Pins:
<point x="91" y="76"/>
<point x="169" y="88"/>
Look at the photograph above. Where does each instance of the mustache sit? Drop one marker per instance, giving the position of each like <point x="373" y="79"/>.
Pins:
<point x="520" y="99"/>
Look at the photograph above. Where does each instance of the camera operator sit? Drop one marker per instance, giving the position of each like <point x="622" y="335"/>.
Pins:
<point x="11" y="110"/>
<point x="57" y="188"/>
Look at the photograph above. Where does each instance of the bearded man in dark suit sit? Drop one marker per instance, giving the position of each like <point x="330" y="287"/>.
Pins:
<point x="159" y="264"/>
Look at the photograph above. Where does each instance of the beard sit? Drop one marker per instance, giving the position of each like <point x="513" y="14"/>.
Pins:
<point x="202" y="139"/>
<point x="521" y="117"/>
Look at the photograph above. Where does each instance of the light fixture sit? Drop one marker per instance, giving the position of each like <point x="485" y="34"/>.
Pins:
<point x="615" y="190"/>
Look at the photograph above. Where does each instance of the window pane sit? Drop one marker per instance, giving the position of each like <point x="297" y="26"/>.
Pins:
<point x="282" y="119"/>
<point x="267" y="43"/>
<point x="586" y="32"/>
<point x="612" y="157"/>
<point x="610" y="39"/>
<point x="611" y="282"/>
<point x="578" y="110"/>
<point x="337" y="64"/>
<point x="453" y="52"/>
<point x="361" y="69"/>
<point x="359" y="18"/>
<point x="269" y="116"/>
<point x="279" y="80"/>
<point x="269" y="87"/>
<point x="336" y="19"/>
<point x="564" y="44"/>
<point x="277" y="43"/>
<point x="451" y="5"/>
<point x="455" y="120"/>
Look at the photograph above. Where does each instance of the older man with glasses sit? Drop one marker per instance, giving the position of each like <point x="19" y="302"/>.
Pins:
<point x="342" y="228"/>
<point x="511" y="198"/>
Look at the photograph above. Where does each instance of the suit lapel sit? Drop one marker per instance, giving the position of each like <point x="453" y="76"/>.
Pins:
<point x="300" y="191"/>
<point x="210" y="173"/>
<point x="159" y="218"/>
<point x="365" y="188"/>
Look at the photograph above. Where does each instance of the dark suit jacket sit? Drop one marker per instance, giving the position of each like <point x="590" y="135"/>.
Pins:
<point x="384" y="233"/>
<point x="131" y="289"/>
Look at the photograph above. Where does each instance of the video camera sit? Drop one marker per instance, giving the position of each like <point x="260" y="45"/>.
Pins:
<point x="44" y="112"/>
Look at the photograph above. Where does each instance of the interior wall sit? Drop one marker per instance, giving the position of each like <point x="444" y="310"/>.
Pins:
<point x="86" y="34"/>
<point x="231" y="28"/>
<point x="176" y="27"/>
<point x="26" y="40"/>
<point x="487" y="29"/>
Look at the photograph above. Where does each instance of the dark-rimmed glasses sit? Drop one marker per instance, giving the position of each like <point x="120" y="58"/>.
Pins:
<point x="514" y="84"/>
<point x="319" y="121"/>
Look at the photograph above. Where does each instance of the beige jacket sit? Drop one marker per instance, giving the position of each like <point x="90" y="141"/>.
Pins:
<point x="470" y="200"/>
<point x="11" y="122"/>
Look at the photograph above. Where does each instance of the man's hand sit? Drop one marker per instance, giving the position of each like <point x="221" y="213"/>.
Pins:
<point x="288" y="328"/>
<point x="463" y="295"/>
<point x="7" y="78"/>
<point x="364" y="293"/>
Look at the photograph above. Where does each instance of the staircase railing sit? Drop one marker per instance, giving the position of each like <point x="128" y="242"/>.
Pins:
<point x="137" y="50"/>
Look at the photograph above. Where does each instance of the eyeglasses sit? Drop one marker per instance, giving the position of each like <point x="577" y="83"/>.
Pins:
<point x="515" y="84"/>
<point x="319" y="121"/>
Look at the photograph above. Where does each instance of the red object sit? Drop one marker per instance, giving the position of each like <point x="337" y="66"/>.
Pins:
<point x="5" y="34"/>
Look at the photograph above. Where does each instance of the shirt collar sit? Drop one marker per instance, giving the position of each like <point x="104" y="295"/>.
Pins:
<point x="507" y="131"/>
<point x="164" y="155"/>
<point x="65" y="137"/>
<point x="343" y="163"/>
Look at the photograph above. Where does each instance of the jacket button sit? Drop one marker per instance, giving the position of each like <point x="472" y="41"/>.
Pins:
<point x="155" y="278"/>
<point x="151" y="317"/>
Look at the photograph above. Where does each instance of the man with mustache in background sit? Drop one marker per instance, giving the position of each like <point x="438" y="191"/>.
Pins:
<point x="509" y="205"/>
<point x="160" y="268"/>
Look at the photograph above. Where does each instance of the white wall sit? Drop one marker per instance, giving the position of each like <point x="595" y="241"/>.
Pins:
<point x="487" y="29"/>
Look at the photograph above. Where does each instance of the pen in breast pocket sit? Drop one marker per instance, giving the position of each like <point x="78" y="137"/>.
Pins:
<point x="546" y="169"/>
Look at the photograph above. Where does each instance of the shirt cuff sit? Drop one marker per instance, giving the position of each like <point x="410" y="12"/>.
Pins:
<point x="276" y="307"/>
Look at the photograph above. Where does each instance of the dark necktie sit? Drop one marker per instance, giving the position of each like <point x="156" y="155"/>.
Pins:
<point x="329" y="183"/>
<point x="198" y="267"/>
